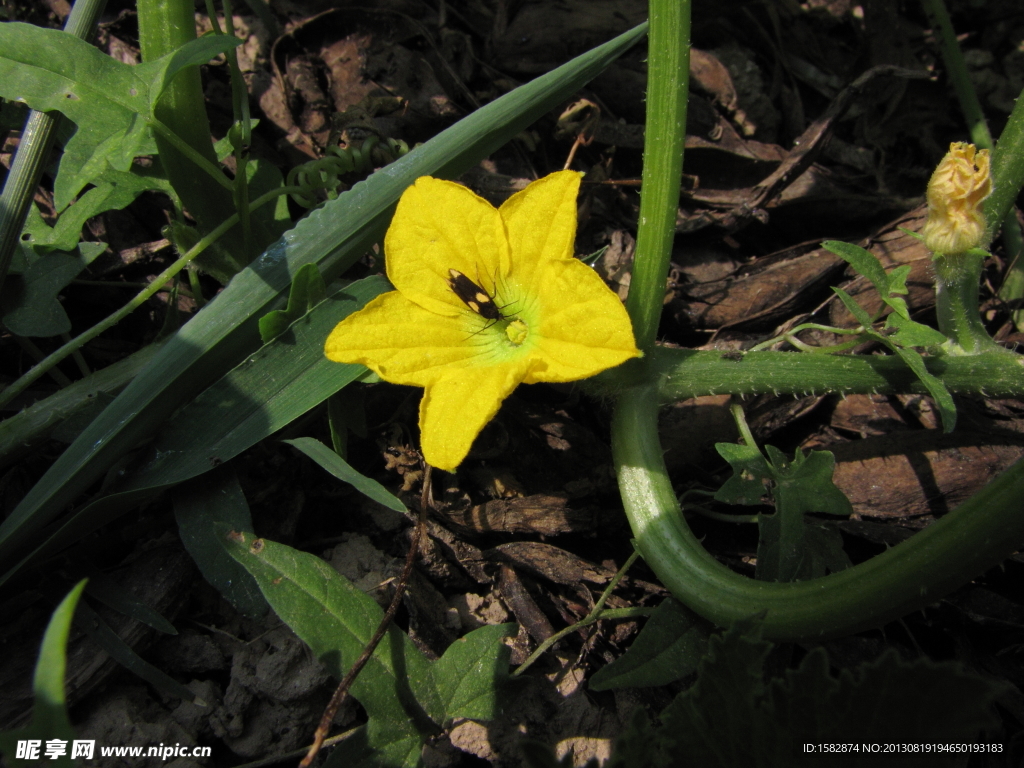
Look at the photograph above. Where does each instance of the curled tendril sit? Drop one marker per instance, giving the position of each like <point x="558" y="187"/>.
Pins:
<point x="321" y="179"/>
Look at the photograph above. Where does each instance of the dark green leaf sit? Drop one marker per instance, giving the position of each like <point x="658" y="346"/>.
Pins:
<point x="341" y="469"/>
<point x="203" y="509"/>
<point x="467" y="677"/>
<point x="20" y="433"/>
<point x="110" y="593"/>
<point x="346" y="412"/>
<point x="636" y="746"/>
<point x="750" y="474"/>
<point x="100" y="632"/>
<point x="789" y="547"/>
<point x="730" y="717"/>
<point x="30" y="304"/>
<point x="307" y="291"/>
<point x="668" y="648"/>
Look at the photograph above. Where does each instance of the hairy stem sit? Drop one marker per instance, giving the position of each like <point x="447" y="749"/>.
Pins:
<point x="668" y="67"/>
<point x="976" y="536"/>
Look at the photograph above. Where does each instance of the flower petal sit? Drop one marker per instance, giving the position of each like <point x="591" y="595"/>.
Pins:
<point x="584" y="329"/>
<point x="456" y="407"/>
<point x="403" y="343"/>
<point x="541" y="223"/>
<point x="440" y="225"/>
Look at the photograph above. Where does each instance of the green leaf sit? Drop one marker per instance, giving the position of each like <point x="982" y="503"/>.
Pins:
<point x="668" y="648"/>
<point x="49" y="712"/>
<point x="405" y="696"/>
<point x="862" y="260"/>
<point x="867" y="264"/>
<point x="791" y="548"/>
<point x="226" y="332"/>
<point x="750" y="474"/>
<point x="468" y="676"/>
<point x="107" y="639"/>
<point x="29" y="303"/>
<point x="912" y="334"/>
<point x="942" y="397"/>
<point x="113" y="191"/>
<point x="223" y="147"/>
<point x="341" y="469"/>
<point x="203" y="509"/>
<point x="246" y="405"/>
<point x="855" y="309"/>
<point x="377" y="746"/>
<point x="103" y="588"/>
<point x="110" y="102"/>
<point x="307" y="291"/>
<point x="265" y="177"/>
<point x="935" y="387"/>
<point x="731" y="717"/>
<point x="336" y="621"/>
<point x="805" y="483"/>
<point x="68" y="230"/>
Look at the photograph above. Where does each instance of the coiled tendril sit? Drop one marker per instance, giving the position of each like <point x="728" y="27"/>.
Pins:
<point x="320" y="180"/>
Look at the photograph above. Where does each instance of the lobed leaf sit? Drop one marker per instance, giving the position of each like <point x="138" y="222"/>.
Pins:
<point x="109" y="101"/>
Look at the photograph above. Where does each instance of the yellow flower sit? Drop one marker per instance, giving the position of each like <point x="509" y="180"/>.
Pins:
<point x="955" y="192"/>
<point x="486" y="299"/>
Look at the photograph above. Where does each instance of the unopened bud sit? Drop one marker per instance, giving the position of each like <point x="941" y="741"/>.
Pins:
<point x="955" y="192"/>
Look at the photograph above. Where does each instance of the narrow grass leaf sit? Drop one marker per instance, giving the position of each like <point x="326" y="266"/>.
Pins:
<point x="49" y="712"/>
<point x="342" y="470"/>
<point x="93" y="625"/>
<point x="246" y="405"/>
<point x="113" y="595"/>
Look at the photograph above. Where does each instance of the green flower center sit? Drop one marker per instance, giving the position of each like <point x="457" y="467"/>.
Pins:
<point x="517" y="331"/>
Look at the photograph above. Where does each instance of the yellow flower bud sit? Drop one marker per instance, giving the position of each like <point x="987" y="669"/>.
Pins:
<point x="960" y="183"/>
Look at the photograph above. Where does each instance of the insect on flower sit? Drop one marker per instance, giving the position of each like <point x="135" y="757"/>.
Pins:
<point x="473" y="296"/>
<point x="566" y="324"/>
